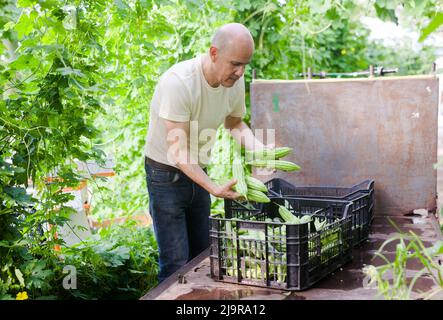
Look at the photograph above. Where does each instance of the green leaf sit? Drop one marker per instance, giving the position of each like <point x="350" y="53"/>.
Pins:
<point x="19" y="170"/>
<point x="5" y="244"/>
<point x="25" y="25"/>
<point x="24" y="3"/>
<point x="8" y="26"/>
<point x="18" y="194"/>
<point x="25" y="61"/>
<point x="38" y="273"/>
<point x="243" y="5"/>
<point x="119" y="255"/>
<point x="6" y="171"/>
<point x="386" y="14"/>
<point x="332" y="14"/>
<point x="431" y="27"/>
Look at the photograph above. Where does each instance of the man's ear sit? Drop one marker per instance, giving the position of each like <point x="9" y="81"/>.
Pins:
<point x="213" y="53"/>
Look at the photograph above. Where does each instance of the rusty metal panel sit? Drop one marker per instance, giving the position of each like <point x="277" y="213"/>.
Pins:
<point x="345" y="131"/>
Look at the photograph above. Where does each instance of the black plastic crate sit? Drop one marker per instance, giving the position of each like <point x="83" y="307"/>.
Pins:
<point x="248" y="246"/>
<point x="281" y="187"/>
<point x="362" y="196"/>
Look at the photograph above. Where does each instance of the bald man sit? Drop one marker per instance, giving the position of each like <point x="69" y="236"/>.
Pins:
<point x="191" y="100"/>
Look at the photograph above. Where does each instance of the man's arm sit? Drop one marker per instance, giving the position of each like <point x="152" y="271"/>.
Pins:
<point x="178" y="152"/>
<point x="243" y="134"/>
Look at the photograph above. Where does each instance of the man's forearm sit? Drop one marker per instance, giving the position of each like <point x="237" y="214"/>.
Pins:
<point x="244" y="136"/>
<point x="195" y="172"/>
<point x="178" y="153"/>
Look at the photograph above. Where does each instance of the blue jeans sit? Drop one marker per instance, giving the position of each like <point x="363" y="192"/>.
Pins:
<point x="180" y="211"/>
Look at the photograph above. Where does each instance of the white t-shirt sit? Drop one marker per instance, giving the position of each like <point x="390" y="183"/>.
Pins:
<point x="183" y="95"/>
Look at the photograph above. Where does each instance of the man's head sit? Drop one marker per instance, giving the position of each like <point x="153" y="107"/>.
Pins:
<point x="231" y="50"/>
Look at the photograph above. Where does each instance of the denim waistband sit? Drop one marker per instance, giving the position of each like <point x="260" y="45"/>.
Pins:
<point x="162" y="166"/>
<point x="157" y="165"/>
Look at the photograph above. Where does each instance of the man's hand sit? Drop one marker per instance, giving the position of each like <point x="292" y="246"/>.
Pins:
<point x="226" y="192"/>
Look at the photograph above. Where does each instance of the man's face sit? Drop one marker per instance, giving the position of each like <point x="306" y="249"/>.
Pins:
<point x="230" y="63"/>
